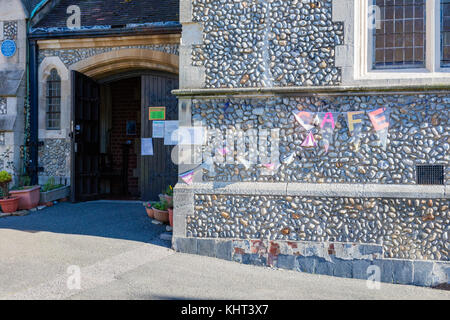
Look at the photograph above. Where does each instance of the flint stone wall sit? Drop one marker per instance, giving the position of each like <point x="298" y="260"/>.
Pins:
<point x="268" y="43"/>
<point x="419" y="134"/>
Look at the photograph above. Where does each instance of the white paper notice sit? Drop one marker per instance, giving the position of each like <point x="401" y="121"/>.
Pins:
<point x="158" y="129"/>
<point x="147" y="146"/>
<point x="171" y="133"/>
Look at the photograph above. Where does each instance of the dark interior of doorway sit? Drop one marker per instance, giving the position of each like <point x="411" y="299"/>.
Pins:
<point x="120" y="133"/>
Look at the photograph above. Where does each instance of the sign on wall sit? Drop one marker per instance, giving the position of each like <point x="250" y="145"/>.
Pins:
<point x="8" y="48"/>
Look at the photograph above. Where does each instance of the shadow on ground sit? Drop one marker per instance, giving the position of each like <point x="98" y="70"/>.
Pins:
<point x="127" y="221"/>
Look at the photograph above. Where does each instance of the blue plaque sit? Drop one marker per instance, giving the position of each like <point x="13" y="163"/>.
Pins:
<point x="8" y="48"/>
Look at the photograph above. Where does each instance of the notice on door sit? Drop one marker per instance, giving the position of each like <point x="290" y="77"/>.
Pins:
<point x="171" y="133"/>
<point x="157" y="113"/>
<point x="158" y="129"/>
<point x="147" y="146"/>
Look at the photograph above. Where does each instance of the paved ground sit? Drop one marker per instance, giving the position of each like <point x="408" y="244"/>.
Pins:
<point x="118" y="254"/>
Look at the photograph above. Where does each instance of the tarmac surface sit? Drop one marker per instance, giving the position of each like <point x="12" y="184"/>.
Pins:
<point x="112" y="250"/>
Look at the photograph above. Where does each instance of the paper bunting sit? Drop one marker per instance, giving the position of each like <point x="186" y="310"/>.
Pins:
<point x="305" y="119"/>
<point x="288" y="159"/>
<point x="208" y="165"/>
<point x="380" y="119"/>
<point x="355" y="126"/>
<point x="309" y="141"/>
<point x="187" y="177"/>
<point x="327" y="122"/>
<point x="270" y="166"/>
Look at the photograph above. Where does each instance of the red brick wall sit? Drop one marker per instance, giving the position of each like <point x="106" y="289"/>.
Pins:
<point x="126" y="105"/>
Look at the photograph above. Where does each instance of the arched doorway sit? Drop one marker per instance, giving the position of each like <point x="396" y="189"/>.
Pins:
<point x="111" y="97"/>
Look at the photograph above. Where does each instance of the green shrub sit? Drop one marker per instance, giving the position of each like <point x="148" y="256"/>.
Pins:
<point x="5" y="179"/>
<point x="50" y="185"/>
<point x="162" y="205"/>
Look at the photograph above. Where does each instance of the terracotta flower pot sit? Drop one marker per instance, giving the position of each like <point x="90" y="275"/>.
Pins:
<point x="9" y="205"/>
<point x="150" y="212"/>
<point x="162" y="216"/>
<point x="169" y="199"/>
<point x="28" y="198"/>
<point x="171" y="217"/>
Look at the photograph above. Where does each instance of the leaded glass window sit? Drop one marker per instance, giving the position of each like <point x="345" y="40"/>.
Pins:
<point x="53" y="101"/>
<point x="445" y="33"/>
<point x="399" y="42"/>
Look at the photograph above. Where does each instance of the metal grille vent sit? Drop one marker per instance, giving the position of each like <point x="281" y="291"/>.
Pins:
<point x="430" y="174"/>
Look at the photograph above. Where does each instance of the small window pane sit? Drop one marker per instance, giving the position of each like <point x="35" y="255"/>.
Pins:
<point x="445" y="33"/>
<point x="53" y="98"/>
<point x="403" y="37"/>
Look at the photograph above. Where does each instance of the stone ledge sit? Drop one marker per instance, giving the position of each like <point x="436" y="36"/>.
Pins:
<point x="311" y="90"/>
<point x="317" y="190"/>
<point x="238" y="188"/>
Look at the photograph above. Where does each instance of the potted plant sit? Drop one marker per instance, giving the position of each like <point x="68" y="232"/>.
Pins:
<point x="28" y="195"/>
<point x="171" y="216"/>
<point x="168" y="195"/>
<point x="52" y="191"/>
<point x="160" y="211"/>
<point x="149" y="209"/>
<point x="7" y="203"/>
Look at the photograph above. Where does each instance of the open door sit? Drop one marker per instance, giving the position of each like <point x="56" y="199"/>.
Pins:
<point x="85" y="178"/>
<point x="158" y="171"/>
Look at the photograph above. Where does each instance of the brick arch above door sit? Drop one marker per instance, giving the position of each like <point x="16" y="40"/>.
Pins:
<point x="119" y="61"/>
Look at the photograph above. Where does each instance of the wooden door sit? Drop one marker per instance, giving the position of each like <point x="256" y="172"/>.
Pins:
<point x="157" y="171"/>
<point x="85" y="138"/>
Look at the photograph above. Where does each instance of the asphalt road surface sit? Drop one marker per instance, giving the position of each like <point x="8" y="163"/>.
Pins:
<point x="102" y="250"/>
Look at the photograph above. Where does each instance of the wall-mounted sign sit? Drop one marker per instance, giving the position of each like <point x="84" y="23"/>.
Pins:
<point x="8" y="48"/>
<point x="157" y="113"/>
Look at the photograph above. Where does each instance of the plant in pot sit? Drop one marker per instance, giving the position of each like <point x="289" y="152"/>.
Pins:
<point x="51" y="191"/>
<point x="168" y="195"/>
<point x="7" y="203"/>
<point x="160" y="211"/>
<point x="149" y="209"/>
<point x="171" y="216"/>
<point x="28" y="195"/>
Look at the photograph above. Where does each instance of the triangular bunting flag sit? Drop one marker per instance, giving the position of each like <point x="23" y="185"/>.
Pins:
<point x="187" y="177"/>
<point x="289" y="158"/>
<point x="305" y="119"/>
<point x="309" y="142"/>
<point x="355" y="126"/>
<point x="327" y="122"/>
<point x="380" y="119"/>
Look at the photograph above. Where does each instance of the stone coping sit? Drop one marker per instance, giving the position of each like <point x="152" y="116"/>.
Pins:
<point x="317" y="190"/>
<point x="412" y="89"/>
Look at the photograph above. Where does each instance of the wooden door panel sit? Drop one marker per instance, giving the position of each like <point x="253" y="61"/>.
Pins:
<point x="158" y="171"/>
<point x="85" y="138"/>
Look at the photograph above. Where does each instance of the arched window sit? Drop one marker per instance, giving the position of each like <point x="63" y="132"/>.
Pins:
<point x="53" y="114"/>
